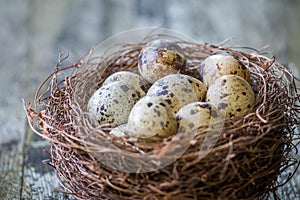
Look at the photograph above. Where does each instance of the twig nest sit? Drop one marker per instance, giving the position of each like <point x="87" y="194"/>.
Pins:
<point x="160" y="58"/>
<point x="232" y="95"/>
<point x="250" y="151"/>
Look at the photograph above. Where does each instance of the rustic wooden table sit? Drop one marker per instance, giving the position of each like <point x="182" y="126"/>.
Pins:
<point x="34" y="32"/>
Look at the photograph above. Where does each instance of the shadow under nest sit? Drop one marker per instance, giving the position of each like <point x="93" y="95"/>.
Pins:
<point x="251" y="152"/>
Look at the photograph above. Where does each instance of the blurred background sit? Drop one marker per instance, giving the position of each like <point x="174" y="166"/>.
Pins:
<point x="34" y="32"/>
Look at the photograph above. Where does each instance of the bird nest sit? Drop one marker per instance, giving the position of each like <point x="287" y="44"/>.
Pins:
<point x="250" y="154"/>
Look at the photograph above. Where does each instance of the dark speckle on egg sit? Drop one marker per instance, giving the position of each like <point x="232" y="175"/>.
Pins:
<point x="168" y="101"/>
<point x="193" y="111"/>
<point x="191" y="125"/>
<point x="116" y="101"/>
<point x="125" y="88"/>
<point x="208" y="106"/>
<point x="162" y="104"/>
<point x="187" y="90"/>
<point x="161" y="93"/>
<point x="222" y="106"/>
<point x="214" y="114"/>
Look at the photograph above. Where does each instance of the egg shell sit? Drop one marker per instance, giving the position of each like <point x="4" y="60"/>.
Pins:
<point x="130" y="78"/>
<point x="197" y="117"/>
<point x="198" y="87"/>
<point x="160" y="58"/>
<point x="218" y="65"/>
<point x="151" y="117"/>
<point x="113" y="102"/>
<point x="231" y="94"/>
<point x="178" y="90"/>
<point x="119" y="131"/>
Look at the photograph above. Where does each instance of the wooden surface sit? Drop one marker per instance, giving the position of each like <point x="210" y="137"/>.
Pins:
<point x="34" y="32"/>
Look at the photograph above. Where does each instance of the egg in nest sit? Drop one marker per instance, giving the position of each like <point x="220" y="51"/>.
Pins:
<point x="178" y="90"/>
<point x="130" y="78"/>
<point x="198" y="117"/>
<point x="112" y="103"/>
<point x="151" y="117"/>
<point x="160" y="58"/>
<point x="232" y="95"/>
<point x="218" y="65"/>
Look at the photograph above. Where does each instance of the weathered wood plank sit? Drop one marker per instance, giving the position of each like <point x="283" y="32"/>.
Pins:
<point x="39" y="180"/>
<point x="13" y="56"/>
<point x="11" y="164"/>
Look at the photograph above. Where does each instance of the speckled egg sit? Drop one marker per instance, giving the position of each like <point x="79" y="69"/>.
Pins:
<point x="130" y="78"/>
<point x="218" y="65"/>
<point x="119" y="131"/>
<point x="197" y="117"/>
<point x="231" y="94"/>
<point x="122" y="131"/>
<point x="160" y="58"/>
<point x="113" y="102"/>
<point x="151" y="117"/>
<point x="178" y="90"/>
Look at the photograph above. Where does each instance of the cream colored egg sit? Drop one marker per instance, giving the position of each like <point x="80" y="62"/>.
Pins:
<point x="232" y="95"/>
<point x="119" y="131"/>
<point x="112" y="103"/>
<point x="130" y="78"/>
<point x="198" y="87"/>
<point x="178" y="90"/>
<point x="218" y="65"/>
<point x="160" y="58"/>
<point x="151" y="117"/>
<point x="197" y="117"/>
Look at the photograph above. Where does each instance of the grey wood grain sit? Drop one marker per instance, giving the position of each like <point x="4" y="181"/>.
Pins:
<point x="39" y="180"/>
<point x="11" y="164"/>
<point x="13" y="57"/>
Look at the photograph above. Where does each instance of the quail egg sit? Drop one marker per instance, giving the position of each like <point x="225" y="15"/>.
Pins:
<point x="151" y="117"/>
<point x="160" y="58"/>
<point x="231" y="94"/>
<point x="197" y="117"/>
<point x="112" y="103"/>
<point x="218" y="65"/>
<point x="178" y="90"/>
<point x="130" y="78"/>
<point x="119" y="131"/>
